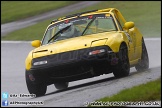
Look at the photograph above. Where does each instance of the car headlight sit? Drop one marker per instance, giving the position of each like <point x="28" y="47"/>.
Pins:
<point x="97" y="52"/>
<point x="40" y="62"/>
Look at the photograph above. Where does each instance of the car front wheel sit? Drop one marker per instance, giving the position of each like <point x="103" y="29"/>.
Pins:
<point x="123" y="67"/>
<point x="37" y="88"/>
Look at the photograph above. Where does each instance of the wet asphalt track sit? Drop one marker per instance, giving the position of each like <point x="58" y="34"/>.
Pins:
<point x="13" y="56"/>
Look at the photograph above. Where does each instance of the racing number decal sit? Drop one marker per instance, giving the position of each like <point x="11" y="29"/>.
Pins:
<point x="134" y="36"/>
<point x="131" y="44"/>
<point x="134" y="42"/>
<point x="128" y="36"/>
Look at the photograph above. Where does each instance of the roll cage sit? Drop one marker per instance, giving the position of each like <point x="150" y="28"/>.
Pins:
<point x="112" y="11"/>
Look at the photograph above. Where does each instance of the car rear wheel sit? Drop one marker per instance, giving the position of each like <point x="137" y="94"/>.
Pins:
<point x="61" y="85"/>
<point x="144" y="62"/>
<point x="123" y="67"/>
<point x="38" y="88"/>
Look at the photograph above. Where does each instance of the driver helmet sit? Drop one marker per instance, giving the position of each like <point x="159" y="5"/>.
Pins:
<point x="68" y="32"/>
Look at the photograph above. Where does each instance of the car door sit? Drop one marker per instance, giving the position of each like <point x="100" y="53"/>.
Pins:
<point x="132" y="43"/>
<point x="137" y="39"/>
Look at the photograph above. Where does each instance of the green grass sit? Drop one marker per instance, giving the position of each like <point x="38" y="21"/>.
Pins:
<point x="145" y="14"/>
<point x="150" y="91"/>
<point x="15" y="10"/>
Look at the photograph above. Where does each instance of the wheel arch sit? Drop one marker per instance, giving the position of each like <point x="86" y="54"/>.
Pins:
<point x="124" y="43"/>
<point x="115" y="47"/>
<point x="116" y="40"/>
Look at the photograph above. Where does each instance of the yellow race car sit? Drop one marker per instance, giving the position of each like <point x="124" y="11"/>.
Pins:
<point x="85" y="45"/>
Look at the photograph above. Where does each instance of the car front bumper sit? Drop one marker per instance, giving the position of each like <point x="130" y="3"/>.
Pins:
<point x="73" y="65"/>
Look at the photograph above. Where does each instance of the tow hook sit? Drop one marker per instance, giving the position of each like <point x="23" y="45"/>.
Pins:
<point x="31" y="77"/>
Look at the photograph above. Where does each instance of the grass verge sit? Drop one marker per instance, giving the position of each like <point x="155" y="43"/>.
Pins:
<point x="151" y="91"/>
<point x="145" y="14"/>
<point x="16" y="10"/>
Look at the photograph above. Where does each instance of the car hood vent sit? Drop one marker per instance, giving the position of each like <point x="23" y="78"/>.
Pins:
<point x="40" y="51"/>
<point x="98" y="42"/>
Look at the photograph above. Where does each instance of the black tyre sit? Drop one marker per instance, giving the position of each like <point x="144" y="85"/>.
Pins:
<point x="123" y="67"/>
<point x="143" y="64"/>
<point x="61" y="85"/>
<point x="34" y="87"/>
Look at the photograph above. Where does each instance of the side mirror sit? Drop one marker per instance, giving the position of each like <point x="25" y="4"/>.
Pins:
<point x="36" y="43"/>
<point x="128" y="25"/>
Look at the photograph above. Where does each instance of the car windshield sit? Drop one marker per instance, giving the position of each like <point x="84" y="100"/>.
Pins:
<point x="80" y="26"/>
